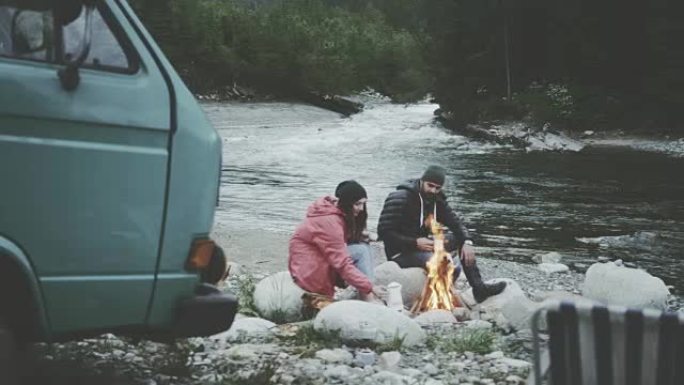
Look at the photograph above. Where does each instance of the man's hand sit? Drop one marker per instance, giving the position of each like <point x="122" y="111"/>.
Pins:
<point x="468" y="255"/>
<point x="425" y="244"/>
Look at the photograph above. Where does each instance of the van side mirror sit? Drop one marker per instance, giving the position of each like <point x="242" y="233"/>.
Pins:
<point x="28" y="32"/>
<point x="69" y="76"/>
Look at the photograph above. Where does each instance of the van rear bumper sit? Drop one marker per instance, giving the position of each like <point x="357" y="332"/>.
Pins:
<point x="209" y="312"/>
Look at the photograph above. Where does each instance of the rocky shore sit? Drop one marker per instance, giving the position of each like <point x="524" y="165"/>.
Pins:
<point x="257" y="351"/>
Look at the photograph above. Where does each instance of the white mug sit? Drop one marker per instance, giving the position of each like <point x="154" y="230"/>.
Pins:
<point x="365" y="357"/>
<point x="394" y="300"/>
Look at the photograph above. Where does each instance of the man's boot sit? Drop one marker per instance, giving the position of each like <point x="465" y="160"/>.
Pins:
<point x="481" y="291"/>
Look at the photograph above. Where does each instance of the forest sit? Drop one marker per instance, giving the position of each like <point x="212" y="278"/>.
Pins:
<point x="576" y="64"/>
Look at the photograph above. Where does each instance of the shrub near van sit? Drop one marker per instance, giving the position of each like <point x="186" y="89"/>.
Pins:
<point x="109" y="177"/>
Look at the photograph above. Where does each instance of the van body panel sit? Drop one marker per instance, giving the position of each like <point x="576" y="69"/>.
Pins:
<point x="87" y="201"/>
<point x="193" y="189"/>
<point x="105" y="187"/>
<point x="126" y="297"/>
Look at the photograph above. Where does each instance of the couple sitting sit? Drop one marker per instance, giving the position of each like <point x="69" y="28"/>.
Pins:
<point x="330" y="247"/>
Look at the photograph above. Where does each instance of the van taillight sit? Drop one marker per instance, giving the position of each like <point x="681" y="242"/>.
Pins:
<point x="208" y="258"/>
<point x="200" y="254"/>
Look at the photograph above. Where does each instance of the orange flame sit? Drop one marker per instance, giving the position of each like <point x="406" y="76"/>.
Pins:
<point x="437" y="292"/>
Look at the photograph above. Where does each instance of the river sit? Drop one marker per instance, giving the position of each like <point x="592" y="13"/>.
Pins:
<point x="611" y="202"/>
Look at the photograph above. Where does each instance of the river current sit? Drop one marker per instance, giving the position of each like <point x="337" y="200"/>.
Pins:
<point x="611" y="202"/>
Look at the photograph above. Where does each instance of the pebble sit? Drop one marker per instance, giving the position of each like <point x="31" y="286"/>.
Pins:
<point x="431" y="369"/>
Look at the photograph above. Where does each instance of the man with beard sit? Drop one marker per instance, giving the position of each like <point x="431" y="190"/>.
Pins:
<point x="405" y="229"/>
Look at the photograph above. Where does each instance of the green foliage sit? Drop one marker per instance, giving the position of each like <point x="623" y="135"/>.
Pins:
<point x="307" y="336"/>
<point x="288" y="47"/>
<point x="478" y="341"/>
<point x="262" y="375"/>
<point x="245" y="293"/>
<point x="395" y="344"/>
<point x="573" y="63"/>
<point x="277" y="316"/>
<point x="311" y="340"/>
<point x="178" y="363"/>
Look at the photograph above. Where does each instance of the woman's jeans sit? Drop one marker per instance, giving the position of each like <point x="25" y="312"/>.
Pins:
<point x="362" y="255"/>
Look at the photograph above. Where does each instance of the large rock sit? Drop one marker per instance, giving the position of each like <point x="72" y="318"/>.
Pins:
<point x="335" y="356"/>
<point x="551" y="268"/>
<point x="362" y="320"/>
<point x="278" y="298"/>
<point x="510" y="310"/>
<point x="435" y="317"/>
<point x="552" y="257"/>
<point x="618" y="285"/>
<point x="246" y="327"/>
<point x="563" y="296"/>
<point x="412" y="280"/>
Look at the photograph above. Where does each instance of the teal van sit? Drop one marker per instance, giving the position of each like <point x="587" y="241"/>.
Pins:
<point x="109" y="175"/>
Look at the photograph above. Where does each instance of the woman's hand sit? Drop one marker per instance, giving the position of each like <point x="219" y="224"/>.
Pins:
<point x="373" y="296"/>
<point x="380" y="291"/>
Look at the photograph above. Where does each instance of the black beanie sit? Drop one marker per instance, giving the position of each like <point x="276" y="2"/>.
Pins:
<point x="349" y="192"/>
<point x="434" y="174"/>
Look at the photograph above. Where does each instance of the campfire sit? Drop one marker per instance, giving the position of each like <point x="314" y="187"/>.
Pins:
<point x="437" y="293"/>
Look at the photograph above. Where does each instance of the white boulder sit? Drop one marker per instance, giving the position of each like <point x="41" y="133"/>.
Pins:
<point x="618" y="285"/>
<point x="515" y="363"/>
<point x="278" y="295"/>
<point x="461" y="313"/>
<point x="435" y="317"/>
<point x="552" y="257"/>
<point x="247" y="327"/>
<point x="389" y="361"/>
<point x="559" y="295"/>
<point x="511" y="309"/>
<point x="335" y="356"/>
<point x="411" y="280"/>
<point x="250" y="352"/>
<point x="551" y="268"/>
<point x="362" y="320"/>
<point x="478" y="324"/>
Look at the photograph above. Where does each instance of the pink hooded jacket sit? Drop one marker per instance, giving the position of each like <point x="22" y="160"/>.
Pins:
<point x="318" y="251"/>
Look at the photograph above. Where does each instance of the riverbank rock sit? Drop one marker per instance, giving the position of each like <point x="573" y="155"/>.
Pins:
<point x="335" y="356"/>
<point x="277" y="297"/>
<point x="549" y="141"/>
<point x="559" y="296"/>
<point x="551" y="268"/>
<point x="612" y="284"/>
<point x="361" y="320"/>
<point x="509" y="310"/>
<point x="246" y="327"/>
<point x="518" y="134"/>
<point x="411" y="280"/>
<point x="552" y="257"/>
<point x="435" y="317"/>
<point x="340" y="104"/>
<point x="641" y="240"/>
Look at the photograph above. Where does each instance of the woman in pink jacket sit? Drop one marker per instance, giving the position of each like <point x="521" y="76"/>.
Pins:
<point x="319" y="257"/>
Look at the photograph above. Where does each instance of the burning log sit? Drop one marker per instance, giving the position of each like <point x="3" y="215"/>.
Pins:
<point x="437" y="293"/>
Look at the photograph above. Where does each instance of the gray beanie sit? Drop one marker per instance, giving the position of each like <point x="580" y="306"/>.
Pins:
<point x="434" y="174"/>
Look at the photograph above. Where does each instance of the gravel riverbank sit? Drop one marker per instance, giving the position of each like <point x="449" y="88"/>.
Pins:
<point x="291" y="354"/>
